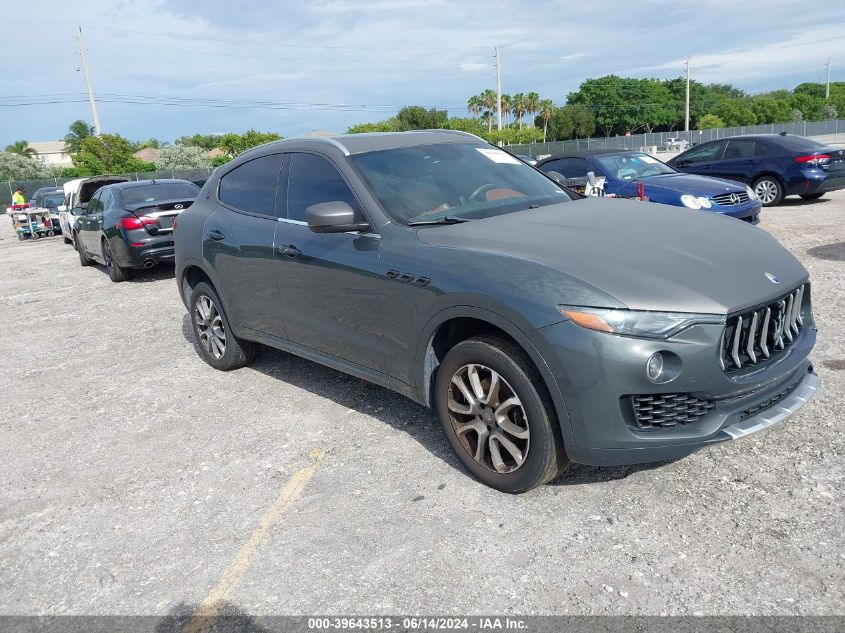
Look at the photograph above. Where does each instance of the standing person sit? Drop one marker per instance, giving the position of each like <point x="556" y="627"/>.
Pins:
<point x="18" y="198"/>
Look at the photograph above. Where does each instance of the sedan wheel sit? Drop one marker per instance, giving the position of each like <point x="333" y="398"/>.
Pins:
<point x="210" y="327"/>
<point x="768" y="190"/>
<point x="488" y="418"/>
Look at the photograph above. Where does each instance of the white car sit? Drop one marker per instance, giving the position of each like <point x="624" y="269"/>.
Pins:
<point x="676" y="144"/>
<point x="77" y="194"/>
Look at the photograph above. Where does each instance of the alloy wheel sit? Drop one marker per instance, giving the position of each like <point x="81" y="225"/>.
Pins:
<point x="488" y="418"/>
<point x="210" y="327"/>
<point x="766" y="191"/>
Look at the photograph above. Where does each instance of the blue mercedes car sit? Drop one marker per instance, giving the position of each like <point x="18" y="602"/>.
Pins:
<point x="632" y="174"/>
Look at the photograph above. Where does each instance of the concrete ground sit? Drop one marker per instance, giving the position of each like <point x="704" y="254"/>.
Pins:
<point x="136" y="479"/>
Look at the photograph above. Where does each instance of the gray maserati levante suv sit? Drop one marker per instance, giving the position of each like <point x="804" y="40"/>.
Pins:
<point x="542" y="329"/>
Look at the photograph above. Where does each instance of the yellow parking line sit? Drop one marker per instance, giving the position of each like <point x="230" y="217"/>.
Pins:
<point x="206" y="613"/>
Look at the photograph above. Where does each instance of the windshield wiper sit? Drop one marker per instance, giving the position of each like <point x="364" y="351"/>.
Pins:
<point x="448" y="219"/>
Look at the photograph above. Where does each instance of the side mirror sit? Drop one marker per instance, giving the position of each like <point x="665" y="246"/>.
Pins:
<point x="61" y="208"/>
<point x="333" y="217"/>
<point x="558" y="177"/>
<point x="591" y="178"/>
<point x="77" y="211"/>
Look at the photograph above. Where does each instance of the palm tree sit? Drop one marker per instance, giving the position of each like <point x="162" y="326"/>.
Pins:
<point x="518" y="107"/>
<point x="79" y="131"/>
<point x="22" y="148"/>
<point x="506" y="108"/>
<point x="488" y="102"/>
<point x="546" y="108"/>
<point x="474" y="105"/>
<point x="532" y="104"/>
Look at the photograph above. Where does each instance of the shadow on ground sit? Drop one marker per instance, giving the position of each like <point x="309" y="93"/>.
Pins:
<point x="230" y="620"/>
<point x="393" y="409"/>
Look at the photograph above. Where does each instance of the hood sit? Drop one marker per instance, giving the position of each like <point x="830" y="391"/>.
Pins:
<point x="648" y="256"/>
<point x="693" y="184"/>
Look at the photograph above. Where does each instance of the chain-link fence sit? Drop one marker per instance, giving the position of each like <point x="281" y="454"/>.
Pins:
<point x="693" y="137"/>
<point x="7" y="188"/>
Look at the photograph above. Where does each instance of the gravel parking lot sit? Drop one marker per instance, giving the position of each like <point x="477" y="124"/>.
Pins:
<point x="138" y="480"/>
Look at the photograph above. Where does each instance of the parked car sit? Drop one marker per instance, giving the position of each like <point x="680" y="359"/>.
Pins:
<point x="129" y="225"/>
<point x="674" y="144"/>
<point x="629" y="173"/>
<point x="50" y="198"/>
<point x="543" y="330"/>
<point x="775" y="165"/>
<point x="77" y="194"/>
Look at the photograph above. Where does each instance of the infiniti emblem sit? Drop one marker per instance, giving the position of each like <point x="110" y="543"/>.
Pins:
<point x="772" y="278"/>
<point x="178" y="206"/>
<point x="734" y="199"/>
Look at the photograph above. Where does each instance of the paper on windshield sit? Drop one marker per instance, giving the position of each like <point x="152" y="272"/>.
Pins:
<point x="648" y="159"/>
<point x="498" y="156"/>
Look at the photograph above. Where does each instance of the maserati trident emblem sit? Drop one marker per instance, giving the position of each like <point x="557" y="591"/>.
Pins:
<point x="772" y="278"/>
<point x="734" y="199"/>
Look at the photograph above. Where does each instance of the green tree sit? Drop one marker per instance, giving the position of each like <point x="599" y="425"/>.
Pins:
<point x="22" y="148"/>
<point x="769" y="109"/>
<point x="418" y="118"/>
<point x="710" y="121"/>
<point x="78" y="131"/>
<point x="207" y="141"/>
<point x="182" y="157"/>
<point x="108" y="153"/>
<point x="518" y="107"/>
<point x="810" y="106"/>
<point x="474" y="105"/>
<point x="379" y="126"/>
<point x="546" y="109"/>
<point x="19" y="167"/>
<point x="609" y="98"/>
<point x="235" y="144"/>
<point x="532" y="104"/>
<point x="735" y="112"/>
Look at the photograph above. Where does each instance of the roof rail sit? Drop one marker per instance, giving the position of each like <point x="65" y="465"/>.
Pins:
<point x="331" y="141"/>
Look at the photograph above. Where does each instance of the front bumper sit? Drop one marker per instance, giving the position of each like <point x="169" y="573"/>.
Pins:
<point x="748" y="211"/>
<point x="597" y="373"/>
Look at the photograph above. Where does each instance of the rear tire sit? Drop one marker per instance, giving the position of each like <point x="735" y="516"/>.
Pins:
<point x="497" y="415"/>
<point x="83" y="257"/>
<point x="116" y="273"/>
<point x="812" y="196"/>
<point x="769" y="190"/>
<point x="213" y="336"/>
<point x="67" y="239"/>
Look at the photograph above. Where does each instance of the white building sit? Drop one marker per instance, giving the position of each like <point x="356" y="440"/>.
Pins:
<point x="52" y="153"/>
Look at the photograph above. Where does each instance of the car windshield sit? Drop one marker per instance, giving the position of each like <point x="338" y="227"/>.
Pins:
<point x="799" y="143"/>
<point x="52" y="200"/>
<point x="632" y="166"/>
<point x="460" y="181"/>
<point x="159" y="191"/>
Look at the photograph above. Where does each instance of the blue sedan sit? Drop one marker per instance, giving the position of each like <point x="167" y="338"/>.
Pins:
<point x="631" y="174"/>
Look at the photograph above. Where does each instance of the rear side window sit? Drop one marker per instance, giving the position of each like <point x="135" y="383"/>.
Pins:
<point x="251" y="187"/>
<point x="739" y="149"/>
<point x="313" y="179"/>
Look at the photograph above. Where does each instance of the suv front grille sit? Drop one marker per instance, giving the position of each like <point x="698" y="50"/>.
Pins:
<point x="731" y="199"/>
<point x="757" y="335"/>
<point x="668" y="409"/>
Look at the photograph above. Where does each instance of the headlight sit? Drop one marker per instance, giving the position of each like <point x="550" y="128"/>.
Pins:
<point x="750" y="192"/>
<point x="694" y="202"/>
<point x="636" y="322"/>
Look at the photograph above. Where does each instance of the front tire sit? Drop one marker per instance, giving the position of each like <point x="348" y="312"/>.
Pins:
<point x="213" y="336"/>
<point x="497" y="415"/>
<point x="768" y="190"/>
<point x="83" y="257"/>
<point x="812" y="196"/>
<point x="116" y="273"/>
<point x="67" y="239"/>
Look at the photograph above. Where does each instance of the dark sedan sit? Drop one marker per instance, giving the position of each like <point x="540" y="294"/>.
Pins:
<point x="129" y="225"/>
<point x="631" y="174"/>
<point x="775" y="165"/>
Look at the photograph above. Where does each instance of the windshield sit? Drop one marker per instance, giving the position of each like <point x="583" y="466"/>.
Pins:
<point x="52" y="200"/>
<point x="455" y="180"/>
<point x="632" y="166"/>
<point x="162" y="191"/>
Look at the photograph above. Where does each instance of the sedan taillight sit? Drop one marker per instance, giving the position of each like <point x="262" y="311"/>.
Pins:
<point x="813" y="159"/>
<point x="133" y="223"/>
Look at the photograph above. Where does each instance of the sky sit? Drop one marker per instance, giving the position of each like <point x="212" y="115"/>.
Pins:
<point x="293" y="67"/>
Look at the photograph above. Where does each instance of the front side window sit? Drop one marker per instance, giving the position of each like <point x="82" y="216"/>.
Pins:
<point x="569" y="167"/>
<point x="311" y="180"/>
<point x="705" y="152"/>
<point x="459" y="180"/>
<point x="251" y="187"/>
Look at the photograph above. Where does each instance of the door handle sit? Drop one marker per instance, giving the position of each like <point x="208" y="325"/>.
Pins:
<point x="215" y="235"/>
<point x="290" y="251"/>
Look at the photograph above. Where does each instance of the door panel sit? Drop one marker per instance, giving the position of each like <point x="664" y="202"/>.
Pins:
<point x="737" y="162"/>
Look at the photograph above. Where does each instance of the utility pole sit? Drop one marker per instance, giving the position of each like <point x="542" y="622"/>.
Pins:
<point x="686" y="111"/>
<point x="827" y="87"/>
<point x="498" y="90"/>
<point x="97" y="130"/>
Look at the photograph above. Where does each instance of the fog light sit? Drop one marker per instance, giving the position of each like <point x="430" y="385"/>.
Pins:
<point x="654" y="367"/>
